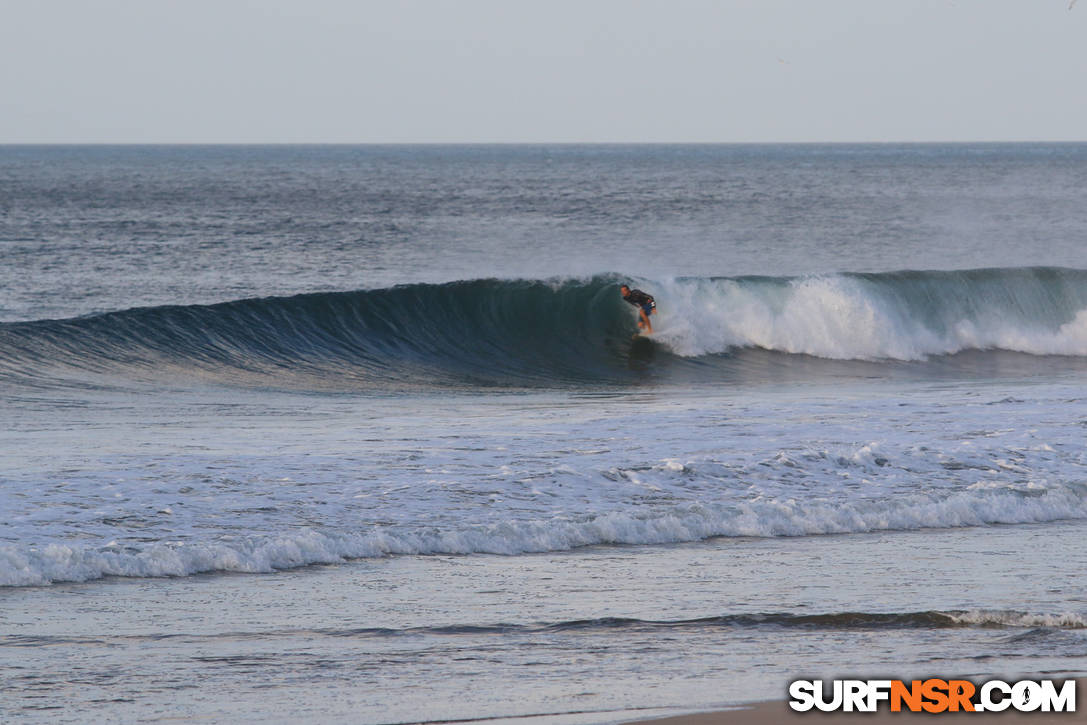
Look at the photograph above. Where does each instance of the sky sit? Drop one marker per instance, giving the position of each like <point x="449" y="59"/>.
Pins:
<point x="509" y="71"/>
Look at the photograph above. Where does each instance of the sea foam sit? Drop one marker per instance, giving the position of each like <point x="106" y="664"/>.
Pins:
<point x="39" y="565"/>
<point x="908" y="316"/>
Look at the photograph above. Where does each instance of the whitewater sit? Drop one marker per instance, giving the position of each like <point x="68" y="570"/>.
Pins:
<point x="361" y="434"/>
<point x="504" y="482"/>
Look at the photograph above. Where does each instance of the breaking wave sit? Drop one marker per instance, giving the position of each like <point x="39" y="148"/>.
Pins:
<point x="41" y="565"/>
<point x="570" y="332"/>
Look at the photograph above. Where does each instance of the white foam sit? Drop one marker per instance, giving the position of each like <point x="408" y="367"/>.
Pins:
<point x="1003" y="618"/>
<point x="32" y="566"/>
<point x="841" y="317"/>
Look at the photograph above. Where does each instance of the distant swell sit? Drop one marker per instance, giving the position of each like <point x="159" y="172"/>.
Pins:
<point x="568" y="332"/>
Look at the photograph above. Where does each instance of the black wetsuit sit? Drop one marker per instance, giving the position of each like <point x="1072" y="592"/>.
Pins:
<point x="643" y="300"/>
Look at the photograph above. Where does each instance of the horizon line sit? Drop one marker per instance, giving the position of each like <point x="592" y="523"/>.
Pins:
<point x="544" y="143"/>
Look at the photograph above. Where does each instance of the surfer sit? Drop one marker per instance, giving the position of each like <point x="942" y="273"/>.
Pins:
<point x="644" y="302"/>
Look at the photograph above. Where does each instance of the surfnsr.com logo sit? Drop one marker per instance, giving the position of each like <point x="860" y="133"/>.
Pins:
<point x="933" y="695"/>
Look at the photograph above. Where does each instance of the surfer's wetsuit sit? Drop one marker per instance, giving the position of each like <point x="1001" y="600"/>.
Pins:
<point x="644" y="302"/>
<point x="640" y="299"/>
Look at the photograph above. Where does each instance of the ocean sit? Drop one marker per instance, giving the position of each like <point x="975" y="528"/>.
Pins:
<point x="359" y="434"/>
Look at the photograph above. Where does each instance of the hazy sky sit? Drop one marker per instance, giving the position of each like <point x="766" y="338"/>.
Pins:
<point x="554" y="70"/>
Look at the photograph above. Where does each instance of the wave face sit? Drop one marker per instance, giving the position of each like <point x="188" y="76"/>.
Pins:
<point x="569" y="332"/>
<point x="486" y="332"/>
